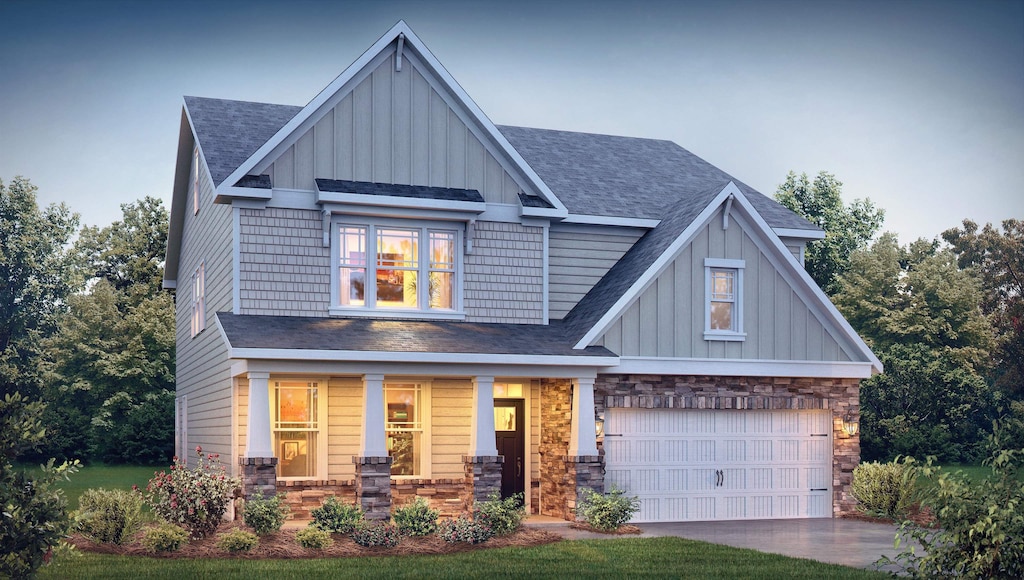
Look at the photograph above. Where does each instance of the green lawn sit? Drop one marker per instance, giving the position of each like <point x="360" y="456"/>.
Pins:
<point x="619" y="558"/>
<point x="105" y="476"/>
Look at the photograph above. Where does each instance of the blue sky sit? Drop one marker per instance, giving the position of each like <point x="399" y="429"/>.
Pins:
<point x="916" y="105"/>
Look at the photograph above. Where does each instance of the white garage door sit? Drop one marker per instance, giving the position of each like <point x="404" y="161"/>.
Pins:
<point x="690" y="465"/>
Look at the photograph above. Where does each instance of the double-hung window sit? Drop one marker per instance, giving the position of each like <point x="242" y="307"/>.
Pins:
<point x="399" y="267"/>
<point x="199" y="299"/>
<point x="723" y="308"/>
<point x="405" y="409"/>
<point x="299" y="414"/>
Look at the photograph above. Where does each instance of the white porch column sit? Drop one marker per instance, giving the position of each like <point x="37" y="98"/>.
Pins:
<point x="372" y="440"/>
<point x="481" y="438"/>
<point x="257" y="440"/>
<point x="583" y="427"/>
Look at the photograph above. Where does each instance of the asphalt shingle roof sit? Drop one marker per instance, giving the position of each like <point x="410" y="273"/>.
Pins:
<point x="412" y="336"/>
<point x="415" y="191"/>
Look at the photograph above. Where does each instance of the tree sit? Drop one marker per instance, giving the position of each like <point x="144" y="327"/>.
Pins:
<point x="34" y="279"/>
<point x="998" y="259"/>
<point x="921" y="314"/>
<point x="847" y="228"/>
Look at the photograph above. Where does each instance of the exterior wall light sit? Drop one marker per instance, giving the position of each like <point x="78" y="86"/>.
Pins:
<point x="599" y="423"/>
<point x="850" y="424"/>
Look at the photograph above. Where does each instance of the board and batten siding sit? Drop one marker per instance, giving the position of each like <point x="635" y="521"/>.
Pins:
<point x="395" y="127"/>
<point x="202" y="370"/>
<point x="284" y="268"/>
<point x="578" y="258"/>
<point x="667" y="319"/>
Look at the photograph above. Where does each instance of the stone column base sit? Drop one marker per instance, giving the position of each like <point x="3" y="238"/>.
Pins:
<point x="373" y="486"/>
<point x="483" y="476"/>
<point x="585" y="472"/>
<point x="259" y="475"/>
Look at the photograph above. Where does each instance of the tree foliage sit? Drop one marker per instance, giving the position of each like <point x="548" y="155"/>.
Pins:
<point x="847" y="227"/>
<point x="34" y="279"/>
<point x="998" y="259"/>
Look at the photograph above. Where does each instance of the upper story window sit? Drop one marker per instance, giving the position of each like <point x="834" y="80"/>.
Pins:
<point x="199" y="299"/>
<point x="195" y="182"/>
<point x="402" y="268"/>
<point x="723" y="309"/>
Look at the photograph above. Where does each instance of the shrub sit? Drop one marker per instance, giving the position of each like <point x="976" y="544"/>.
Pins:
<point x="503" y="516"/>
<point x="416" y="518"/>
<point x="979" y="529"/>
<point x="334" y="516"/>
<point x="368" y="535"/>
<point x="237" y="541"/>
<point x="463" y="529"/>
<point x="313" y="538"/>
<point x="265" y="516"/>
<point x="195" y="499"/>
<point x="164" y="537"/>
<point x="607" y="511"/>
<point x="109" y="516"/>
<point x="886" y="490"/>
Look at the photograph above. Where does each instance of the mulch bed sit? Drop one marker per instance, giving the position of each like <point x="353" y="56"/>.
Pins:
<point x="921" y="516"/>
<point x="282" y="545"/>
<point x="621" y="531"/>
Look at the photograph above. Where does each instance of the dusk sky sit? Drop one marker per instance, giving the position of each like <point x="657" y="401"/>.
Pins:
<point x="918" y="106"/>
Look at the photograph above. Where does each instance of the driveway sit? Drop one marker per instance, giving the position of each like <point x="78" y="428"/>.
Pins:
<point x="851" y="543"/>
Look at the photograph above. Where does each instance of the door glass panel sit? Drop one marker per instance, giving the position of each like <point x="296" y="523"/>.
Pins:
<point x="504" y="418"/>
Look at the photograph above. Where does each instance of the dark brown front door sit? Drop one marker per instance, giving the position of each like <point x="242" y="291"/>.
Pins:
<point x="509" y="434"/>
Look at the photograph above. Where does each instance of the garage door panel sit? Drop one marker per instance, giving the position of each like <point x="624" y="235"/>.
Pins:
<point x="722" y="464"/>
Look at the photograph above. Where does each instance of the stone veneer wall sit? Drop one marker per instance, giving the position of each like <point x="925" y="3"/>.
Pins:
<point x="448" y="496"/>
<point x="557" y="483"/>
<point x="483" y="477"/>
<point x="713" y="392"/>
<point x="259" y="474"/>
<point x="303" y="496"/>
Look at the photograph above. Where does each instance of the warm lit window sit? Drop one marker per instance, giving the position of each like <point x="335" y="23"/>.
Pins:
<point x="195" y="182"/>
<point x="724" y="304"/>
<point x="199" y="299"/>
<point x="382" y="267"/>
<point x="404" y="407"/>
<point x="297" y="417"/>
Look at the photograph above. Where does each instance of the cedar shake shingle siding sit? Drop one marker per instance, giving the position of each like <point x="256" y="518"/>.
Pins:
<point x="504" y="277"/>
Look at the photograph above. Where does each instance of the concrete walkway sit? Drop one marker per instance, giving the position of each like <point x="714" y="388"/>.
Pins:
<point x="851" y="543"/>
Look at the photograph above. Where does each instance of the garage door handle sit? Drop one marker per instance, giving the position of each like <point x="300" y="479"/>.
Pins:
<point x="819" y="489"/>
<point x="719" y="477"/>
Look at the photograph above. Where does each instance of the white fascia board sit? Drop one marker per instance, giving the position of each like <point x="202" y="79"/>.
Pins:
<point x="543" y="212"/>
<point x="601" y="220"/>
<point x="418" y="370"/>
<point x="800" y="234"/>
<point x="419" y="357"/>
<point x="231" y="193"/>
<point x="475" y="207"/>
<point x="179" y="191"/>
<point x="660" y="264"/>
<point x="806" y="283"/>
<point x="741" y="367"/>
<point x="378" y="211"/>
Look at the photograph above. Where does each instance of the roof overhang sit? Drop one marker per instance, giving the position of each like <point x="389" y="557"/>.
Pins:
<point x="799" y="234"/>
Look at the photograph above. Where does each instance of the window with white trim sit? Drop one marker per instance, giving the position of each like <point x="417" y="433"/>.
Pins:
<point x="381" y="266"/>
<point x="195" y="182"/>
<point x="298" y="417"/>
<point x="405" y="408"/>
<point x="723" y="309"/>
<point x="199" y="299"/>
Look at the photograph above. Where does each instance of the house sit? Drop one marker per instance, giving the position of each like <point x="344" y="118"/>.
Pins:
<point x="383" y="295"/>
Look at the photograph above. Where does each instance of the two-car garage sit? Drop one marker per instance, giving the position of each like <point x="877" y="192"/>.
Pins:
<point x="697" y="464"/>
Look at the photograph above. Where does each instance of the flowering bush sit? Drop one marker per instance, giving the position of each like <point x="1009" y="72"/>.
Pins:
<point x="334" y="516"/>
<point x="503" y="516"/>
<point x="237" y="541"/>
<point x="265" y="516"/>
<point x="463" y="529"/>
<point x="164" y="537"/>
<point x="194" y="499"/>
<point x="368" y="535"/>
<point x="313" y="538"/>
<point x="416" y="518"/>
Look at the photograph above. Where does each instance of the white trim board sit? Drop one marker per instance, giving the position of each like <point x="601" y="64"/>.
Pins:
<point x="402" y="369"/>
<point x="418" y="357"/>
<point x="740" y="367"/>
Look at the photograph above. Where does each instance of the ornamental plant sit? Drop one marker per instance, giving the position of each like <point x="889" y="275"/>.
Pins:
<point x="336" y="517"/>
<point x="194" y="499"/>
<point x="416" y="518"/>
<point x="265" y="516"/>
<point x="109" y="515"/>
<point x="886" y="490"/>
<point x="607" y="511"/>
<point x="503" y="516"/>
<point x="463" y="529"/>
<point x="382" y="534"/>
<point x="313" y="538"/>
<point x="164" y="537"/>
<point x="237" y="541"/>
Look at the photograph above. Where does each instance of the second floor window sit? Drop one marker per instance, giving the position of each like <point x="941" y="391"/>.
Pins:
<point x="199" y="299"/>
<point x="398" y="268"/>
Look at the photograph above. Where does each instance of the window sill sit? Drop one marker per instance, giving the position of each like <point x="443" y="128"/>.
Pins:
<point x="403" y="314"/>
<point x="725" y="336"/>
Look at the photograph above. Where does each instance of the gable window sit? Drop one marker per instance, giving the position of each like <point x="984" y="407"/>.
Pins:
<point x="723" y="309"/>
<point x="298" y="415"/>
<point x="404" y="408"/>
<point x="199" y="299"/>
<point x="401" y="267"/>
<point x="195" y="183"/>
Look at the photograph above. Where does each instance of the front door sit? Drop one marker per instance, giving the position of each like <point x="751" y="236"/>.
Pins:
<point x="509" y="434"/>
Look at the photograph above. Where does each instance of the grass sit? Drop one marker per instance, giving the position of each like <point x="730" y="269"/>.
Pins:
<point x="619" y="558"/>
<point x="105" y="476"/>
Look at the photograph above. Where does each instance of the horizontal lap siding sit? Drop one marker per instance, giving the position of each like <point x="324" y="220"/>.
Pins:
<point x="284" y="268"/>
<point x="451" y="410"/>
<point x="667" y="319"/>
<point x="504" y="276"/>
<point x="344" y="425"/>
<point x="394" y="127"/>
<point x="202" y="370"/>
<point x="578" y="259"/>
